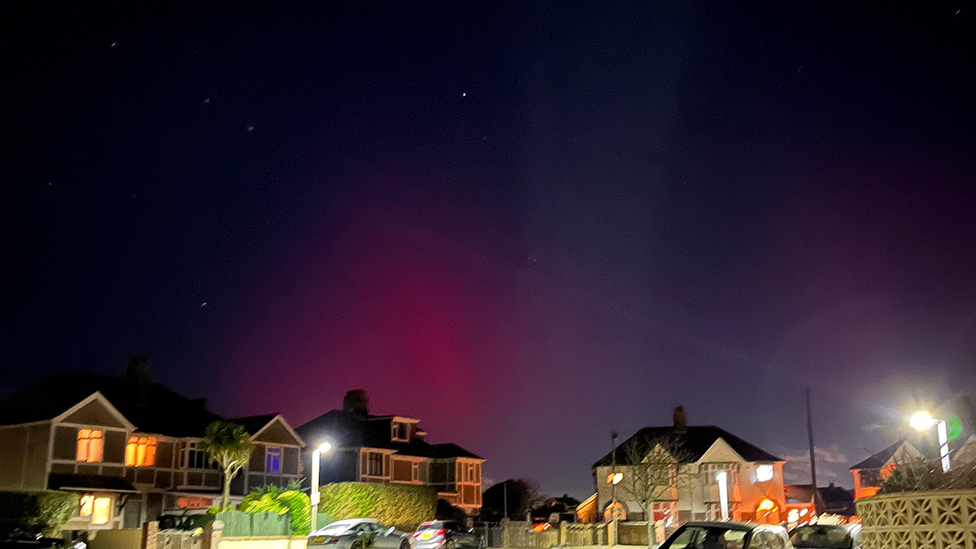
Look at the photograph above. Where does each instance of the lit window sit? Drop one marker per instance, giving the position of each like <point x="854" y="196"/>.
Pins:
<point x="86" y="505"/>
<point x="272" y="460"/>
<point x="89" y="446"/>
<point x="140" y="451"/>
<point x="764" y="473"/>
<point x="101" y="510"/>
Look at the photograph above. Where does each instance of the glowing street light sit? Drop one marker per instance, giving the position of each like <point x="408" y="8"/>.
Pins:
<point x="323" y="448"/>
<point x="921" y="421"/>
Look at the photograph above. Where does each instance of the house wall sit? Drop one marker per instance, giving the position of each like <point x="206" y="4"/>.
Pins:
<point x="696" y="493"/>
<point x="23" y="461"/>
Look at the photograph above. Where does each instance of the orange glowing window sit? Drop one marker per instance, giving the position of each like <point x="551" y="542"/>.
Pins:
<point x="89" y="446"/>
<point x="86" y="505"/>
<point x="140" y="451"/>
<point x="101" y="510"/>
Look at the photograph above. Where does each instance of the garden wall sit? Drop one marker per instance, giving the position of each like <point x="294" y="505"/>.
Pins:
<point x="919" y="520"/>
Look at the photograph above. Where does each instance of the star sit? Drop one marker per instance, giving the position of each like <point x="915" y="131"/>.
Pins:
<point x="464" y="94"/>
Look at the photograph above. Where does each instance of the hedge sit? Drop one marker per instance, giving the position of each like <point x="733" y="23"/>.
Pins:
<point x="37" y="512"/>
<point x="404" y="507"/>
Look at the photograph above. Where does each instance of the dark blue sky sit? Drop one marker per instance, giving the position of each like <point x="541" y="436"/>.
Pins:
<point x="526" y="225"/>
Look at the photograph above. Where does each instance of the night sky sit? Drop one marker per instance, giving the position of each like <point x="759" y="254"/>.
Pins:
<point x="524" y="224"/>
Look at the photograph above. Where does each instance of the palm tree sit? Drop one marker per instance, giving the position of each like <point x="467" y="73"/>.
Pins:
<point x="229" y="446"/>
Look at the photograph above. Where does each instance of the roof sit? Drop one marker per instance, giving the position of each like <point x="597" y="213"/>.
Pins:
<point x="451" y="450"/>
<point x="695" y="440"/>
<point x="151" y="407"/>
<point x="879" y="459"/>
<point x="253" y="424"/>
<point x="63" y="481"/>
<point x="352" y="430"/>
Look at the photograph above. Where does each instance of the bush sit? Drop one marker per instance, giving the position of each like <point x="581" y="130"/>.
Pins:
<point x="446" y="511"/>
<point x="404" y="507"/>
<point x="277" y="500"/>
<point x="924" y="475"/>
<point x="37" y="512"/>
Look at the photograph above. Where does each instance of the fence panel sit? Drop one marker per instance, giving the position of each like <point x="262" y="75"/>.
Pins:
<point x="237" y="523"/>
<point x="178" y="539"/>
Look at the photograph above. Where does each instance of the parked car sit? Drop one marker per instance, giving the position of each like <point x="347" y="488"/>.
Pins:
<point x="19" y="539"/>
<point x="827" y="536"/>
<point x="357" y="534"/>
<point x="728" y="535"/>
<point x="448" y="534"/>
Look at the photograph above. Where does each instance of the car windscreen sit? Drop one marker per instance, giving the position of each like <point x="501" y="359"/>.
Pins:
<point x="821" y="537"/>
<point x="432" y="525"/>
<point x="335" y="528"/>
<point x="707" y="537"/>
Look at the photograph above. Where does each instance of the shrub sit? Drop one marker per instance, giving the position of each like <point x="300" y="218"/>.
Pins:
<point x="924" y="475"/>
<point x="277" y="500"/>
<point x="37" y="512"/>
<point x="446" y="511"/>
<point x="404" y="507"/>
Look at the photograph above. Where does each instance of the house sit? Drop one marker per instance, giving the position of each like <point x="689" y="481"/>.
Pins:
<point x="129" y="446"/>
<point x="870" y="473"/>
<point x="753" y="478"/>
<point x="391" y="449"/>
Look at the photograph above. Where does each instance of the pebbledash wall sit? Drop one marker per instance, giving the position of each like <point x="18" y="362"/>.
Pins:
<point x="919" y="520"/>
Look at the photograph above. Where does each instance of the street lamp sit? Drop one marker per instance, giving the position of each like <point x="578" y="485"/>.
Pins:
<point x="323" y="448"/>
<point x="921" y="421"/>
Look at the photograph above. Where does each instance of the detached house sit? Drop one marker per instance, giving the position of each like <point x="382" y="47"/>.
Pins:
<point x="391" y="449"/>
<point x="713" y="462"/>
<point x="129" y="446"/>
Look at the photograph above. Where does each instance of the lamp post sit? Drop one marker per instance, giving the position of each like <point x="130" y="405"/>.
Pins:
<point x="323" y="448"/>
<point x="921" y="421"/>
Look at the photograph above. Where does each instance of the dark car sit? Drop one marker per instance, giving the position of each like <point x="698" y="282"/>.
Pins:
<point x="826" y="536"/>
<point x="448" y="534"/>
<point x="19" y="539"/>
<point x="728" y="535"/>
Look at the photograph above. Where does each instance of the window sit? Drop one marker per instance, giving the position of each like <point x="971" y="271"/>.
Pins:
<point x="272" y="460"/>
<point x="764" y="473"/>
<point x="97" y="508"/>
<point x="140" y="451"/>
<point x="89" y="446"/>
<point x="375" y="464"/>
<point x="193" y="458"/>
<point x="399" y="431"/>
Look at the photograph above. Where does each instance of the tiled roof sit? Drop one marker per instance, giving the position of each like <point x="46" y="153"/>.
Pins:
<point x="253" y="424"/>
<point x="154" y="410"/>
<point x="351" y="430"/>
<point x="695" y="440"/>
<point x="879" y="459"/>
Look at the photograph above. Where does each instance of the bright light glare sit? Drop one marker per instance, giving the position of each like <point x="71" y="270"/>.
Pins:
<point x="921" y="421"/>
<point x="764" y="473"/>
<point x="324" y="447"/>
<point x="615" y="478"/>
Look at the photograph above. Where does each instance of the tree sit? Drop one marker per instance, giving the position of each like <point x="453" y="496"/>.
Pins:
<point x="229" y="446"/>
<point x="521" y="495"/>
<point x="651" y="472"/>
<point x="280" y="500"/>
<point x="446" y="511"/>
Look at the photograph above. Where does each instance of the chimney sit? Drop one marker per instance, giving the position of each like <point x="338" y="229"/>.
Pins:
<point x="137" y="377"/>
<point x="356" y="402"/>
<point x="680" y="419"/>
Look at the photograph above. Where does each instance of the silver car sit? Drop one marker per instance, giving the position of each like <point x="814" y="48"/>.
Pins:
<point x="826" y="536"/>
<point x="356" y="533"/>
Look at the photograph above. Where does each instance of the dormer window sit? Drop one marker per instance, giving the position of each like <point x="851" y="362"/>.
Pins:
<point x="400" y="432"/>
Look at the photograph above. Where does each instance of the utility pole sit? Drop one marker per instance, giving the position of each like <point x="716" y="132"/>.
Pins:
<point x="613" y="485"/>
<point x="505" y="498"/>
<point x="817" y="507"/>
